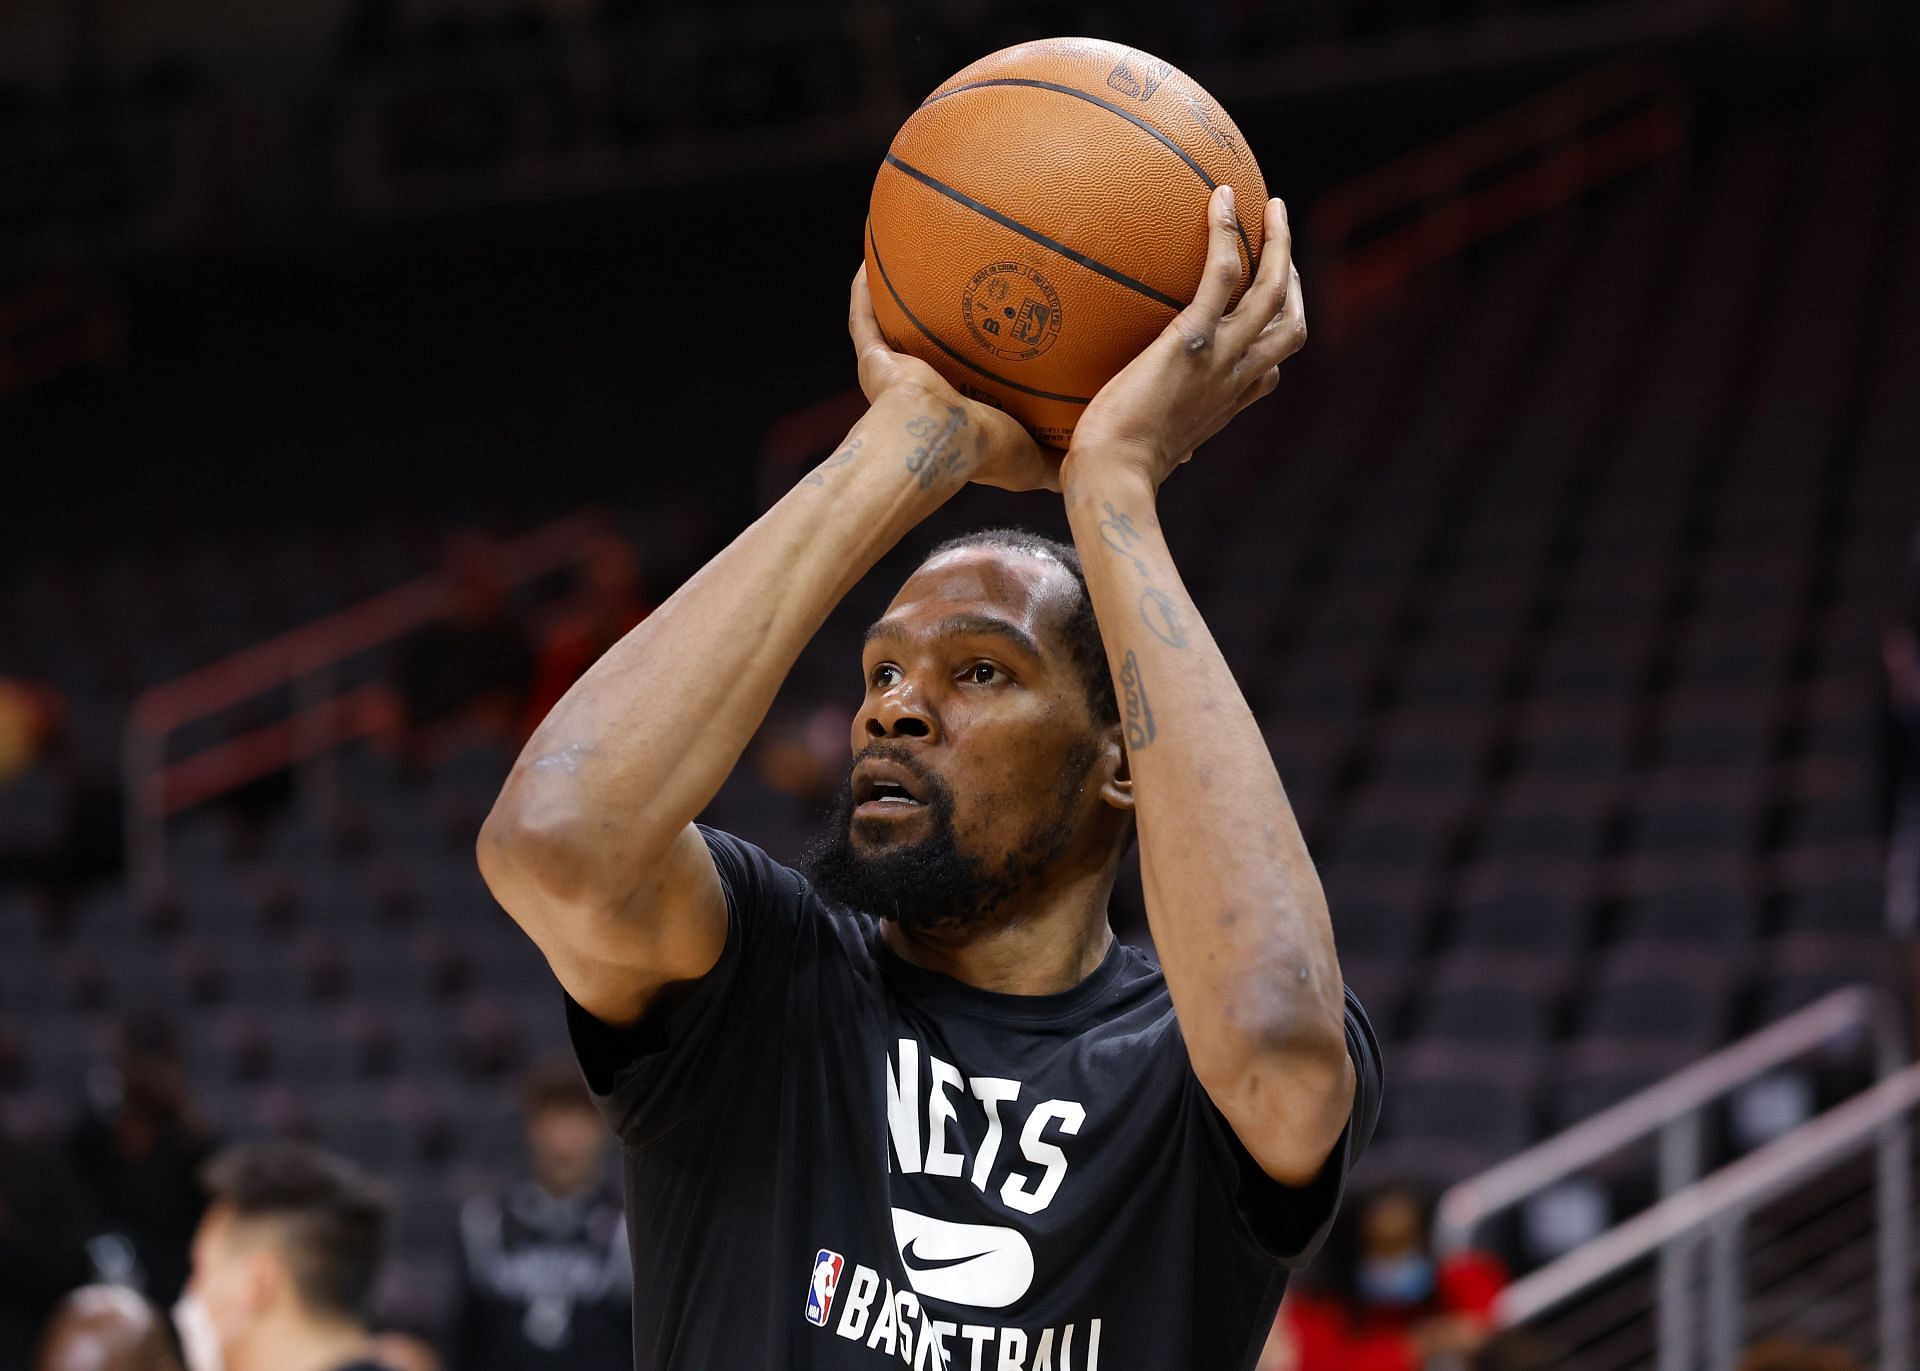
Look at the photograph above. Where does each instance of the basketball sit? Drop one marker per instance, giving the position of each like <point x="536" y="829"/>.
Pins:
<point x="1041" y="217"/>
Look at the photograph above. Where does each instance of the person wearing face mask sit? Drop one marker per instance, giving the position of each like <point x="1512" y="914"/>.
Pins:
<point x="283" y="1264"/>
<point x="1379" y="1301"/>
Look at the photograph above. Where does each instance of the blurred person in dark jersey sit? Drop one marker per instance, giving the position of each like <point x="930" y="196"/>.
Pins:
<point x="108" y="1328"/>
<point x="138" y="1148"/>
<point x="545" y="1282"/>
<point x="44" y="1223"/>
<point x="916" y="1105"/>
<point x="283" y="1263"/>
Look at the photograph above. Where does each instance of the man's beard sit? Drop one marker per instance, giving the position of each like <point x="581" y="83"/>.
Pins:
<point x="931" y="885"/>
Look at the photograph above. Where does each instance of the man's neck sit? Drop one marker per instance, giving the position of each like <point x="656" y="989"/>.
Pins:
<point x="294" y="1342"/>
<point x="1042" y="945"/>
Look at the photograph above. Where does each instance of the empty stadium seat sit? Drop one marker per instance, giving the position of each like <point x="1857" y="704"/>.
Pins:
<point x="1662" y="993"/>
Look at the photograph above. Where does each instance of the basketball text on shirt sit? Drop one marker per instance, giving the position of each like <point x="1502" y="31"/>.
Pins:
<point x="893" y="1322"/>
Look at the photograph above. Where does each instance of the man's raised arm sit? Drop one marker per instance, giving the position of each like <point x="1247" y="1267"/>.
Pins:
<point x="590" y="845"/>
<point x="1235" y="906"/>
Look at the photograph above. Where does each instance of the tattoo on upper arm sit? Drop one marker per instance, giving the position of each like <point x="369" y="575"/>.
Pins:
<point x="818" y="477"/>
<point x="1139" y="713"/>
<point x="940" y="450"/>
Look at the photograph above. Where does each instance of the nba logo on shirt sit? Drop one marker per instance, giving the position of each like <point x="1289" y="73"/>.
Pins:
<point x="826" y="1279"/>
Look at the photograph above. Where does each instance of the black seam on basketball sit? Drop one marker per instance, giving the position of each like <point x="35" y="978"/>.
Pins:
<point x="958" y="197"/>
<point x="1246" y="244"/>
<point x="963" y="360"/>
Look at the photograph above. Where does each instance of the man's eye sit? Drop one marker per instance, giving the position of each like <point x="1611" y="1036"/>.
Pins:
<point x="886" y="674"/>
<point x="983" y="673"/>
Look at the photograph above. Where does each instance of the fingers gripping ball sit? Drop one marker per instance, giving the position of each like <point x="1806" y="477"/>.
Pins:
<point x="1042" y="216"/>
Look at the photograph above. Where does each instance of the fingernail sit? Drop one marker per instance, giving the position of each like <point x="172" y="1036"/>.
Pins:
<point x="1228" y="198"/>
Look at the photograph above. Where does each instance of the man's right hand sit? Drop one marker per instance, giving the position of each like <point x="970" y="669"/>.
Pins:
<point x="1006" y="454"/>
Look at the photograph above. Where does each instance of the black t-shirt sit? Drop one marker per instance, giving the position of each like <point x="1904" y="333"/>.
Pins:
<point x="836" y="1160"/>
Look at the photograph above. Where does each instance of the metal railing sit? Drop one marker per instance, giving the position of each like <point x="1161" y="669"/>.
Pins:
<point x="1709" y="1216"/>
<point x="1694" y="1214"/>
<point x="306" y="661"/>
<point x="1377" y="232"/>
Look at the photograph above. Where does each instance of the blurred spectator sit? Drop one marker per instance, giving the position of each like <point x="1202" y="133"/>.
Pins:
<point x="1792" y="1354"/>
<point x="609" y="601"/>
<point x="31" y="715"/>
<point x="43" y="1252"/>
<point x="138" y="1150"/>
<point x="283" y="1263"/>
<point x="545" y="1276"/>
<point x="1380" y="1301"/>
<point x="108" y="1328"/>
<point x="470" y="672"/>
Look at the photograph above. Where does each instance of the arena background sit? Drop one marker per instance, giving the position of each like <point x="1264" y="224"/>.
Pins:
<point x="1564" y="570"/>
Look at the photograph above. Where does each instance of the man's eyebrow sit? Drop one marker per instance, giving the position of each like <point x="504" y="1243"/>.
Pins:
<point x="960" y="625"/>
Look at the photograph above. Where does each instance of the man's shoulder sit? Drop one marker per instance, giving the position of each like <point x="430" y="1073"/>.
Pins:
<point x="759" y="884"/>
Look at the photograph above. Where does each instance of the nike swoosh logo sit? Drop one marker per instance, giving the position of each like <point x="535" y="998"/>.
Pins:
<point x="986" y="1266"/>
<point x="917" y="1262"/>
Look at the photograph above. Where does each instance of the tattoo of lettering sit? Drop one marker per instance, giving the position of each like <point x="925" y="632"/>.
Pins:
<point x="1158" y="613"/>
<point x="1157" y="609"/>
<point x="1139" y="713"/>
<point x="939" y="451"/>
<point x="817" y="477"/>
<point x="1117" y="532"/>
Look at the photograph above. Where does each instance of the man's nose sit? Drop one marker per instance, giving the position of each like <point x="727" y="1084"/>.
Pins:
<point x="901" y="713"/>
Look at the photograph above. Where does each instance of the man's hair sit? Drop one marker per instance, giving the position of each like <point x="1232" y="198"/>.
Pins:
<point x="553" y="1083"/>
<point x="331" y="1217"/>
<point x="1081" y="631"/>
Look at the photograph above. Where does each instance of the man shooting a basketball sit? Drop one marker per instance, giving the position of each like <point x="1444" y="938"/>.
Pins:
<point x="918" y="1104"/>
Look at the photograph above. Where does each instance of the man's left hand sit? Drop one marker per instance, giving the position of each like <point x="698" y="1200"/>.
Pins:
<point x="1207" y="365"/>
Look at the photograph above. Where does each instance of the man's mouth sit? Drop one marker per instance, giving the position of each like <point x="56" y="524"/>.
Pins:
<point x="884" y="790"/>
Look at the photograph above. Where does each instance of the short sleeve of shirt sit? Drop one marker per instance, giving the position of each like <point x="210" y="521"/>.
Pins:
<point x="1287" y="1224"/>
<point x="648" y="1077"/>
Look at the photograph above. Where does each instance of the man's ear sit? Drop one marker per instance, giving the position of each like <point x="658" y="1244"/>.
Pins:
<point x="266" y="1278"/>
<point x="1116" y="783"/>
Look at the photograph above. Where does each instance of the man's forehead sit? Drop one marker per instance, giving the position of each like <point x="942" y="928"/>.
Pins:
<point x="1008" y="582"/>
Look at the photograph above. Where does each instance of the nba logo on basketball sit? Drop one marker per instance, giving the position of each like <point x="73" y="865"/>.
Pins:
<point x="826" y="1279"/>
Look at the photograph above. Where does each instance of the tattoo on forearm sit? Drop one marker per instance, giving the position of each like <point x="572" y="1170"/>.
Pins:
<point x="1117" y="532"/>
<point x="1139" y="713"/>
<point x="940" y="450"/>
<point x="1162" y="617"/>
<point x="1157" y="609"/>
<point x="818" y="477"/>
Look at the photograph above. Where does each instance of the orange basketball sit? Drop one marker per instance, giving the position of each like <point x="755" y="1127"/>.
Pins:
<point x="1041" y="217"/>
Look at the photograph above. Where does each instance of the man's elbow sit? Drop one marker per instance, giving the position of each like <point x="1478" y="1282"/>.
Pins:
<point x="531" y="845"/>
<point x="1288" y="1089"/>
